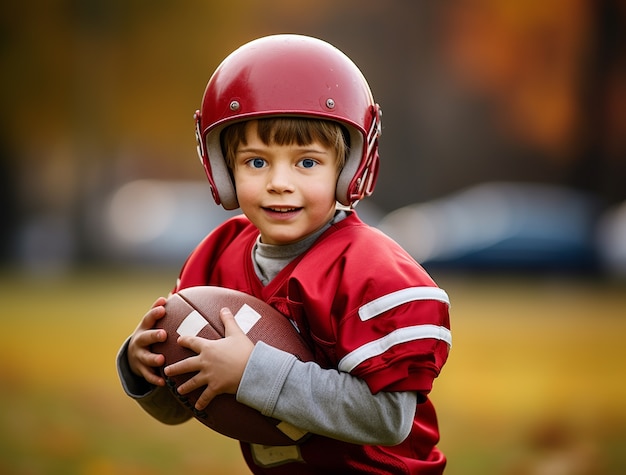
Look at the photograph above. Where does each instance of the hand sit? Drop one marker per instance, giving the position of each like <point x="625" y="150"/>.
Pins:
<point x="141" y="360"/>
<point x="219" y="363"/>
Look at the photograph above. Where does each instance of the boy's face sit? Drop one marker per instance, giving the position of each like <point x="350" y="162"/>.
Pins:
<point x="287" y="191"/>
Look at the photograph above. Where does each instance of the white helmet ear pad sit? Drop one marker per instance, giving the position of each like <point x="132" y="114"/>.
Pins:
<point x="225" y="188"/>
<point x="350" y="167"/>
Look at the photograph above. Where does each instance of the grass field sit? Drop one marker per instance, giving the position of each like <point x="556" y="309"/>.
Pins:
<point x="535" y="383"/>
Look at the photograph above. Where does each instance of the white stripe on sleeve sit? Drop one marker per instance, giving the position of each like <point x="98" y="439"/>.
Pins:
<point x="387" y="302"/>
<point x="402" y="335"/>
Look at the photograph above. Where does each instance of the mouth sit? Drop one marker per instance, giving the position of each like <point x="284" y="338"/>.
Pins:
<point x="282" y="213"/>
<point x="281" y="209"/>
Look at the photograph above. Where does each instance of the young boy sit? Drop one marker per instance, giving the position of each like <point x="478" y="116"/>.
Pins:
<point x="288" y="128"/>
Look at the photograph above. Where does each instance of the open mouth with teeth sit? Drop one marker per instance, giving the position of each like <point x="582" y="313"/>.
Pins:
<point x="282" y="210"/>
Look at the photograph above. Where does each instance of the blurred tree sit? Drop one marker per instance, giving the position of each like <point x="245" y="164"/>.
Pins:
<point x="555" y="74"/>
<point x="599" y="164"/>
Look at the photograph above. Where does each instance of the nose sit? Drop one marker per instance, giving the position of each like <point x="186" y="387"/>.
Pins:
<point x="280" y="179"/>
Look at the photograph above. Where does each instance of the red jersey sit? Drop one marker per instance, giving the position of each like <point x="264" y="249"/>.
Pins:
<point x="367" y="308"/>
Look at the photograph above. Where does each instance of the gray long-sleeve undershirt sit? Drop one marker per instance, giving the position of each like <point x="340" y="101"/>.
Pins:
<point x="325" y="402"/>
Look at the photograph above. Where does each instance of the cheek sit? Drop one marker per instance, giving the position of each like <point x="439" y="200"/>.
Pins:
<point x="244" y="188"/>
<point x="322" y="189"/>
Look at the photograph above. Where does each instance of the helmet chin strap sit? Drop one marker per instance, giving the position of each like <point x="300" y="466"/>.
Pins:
<point x="363" y="178"/>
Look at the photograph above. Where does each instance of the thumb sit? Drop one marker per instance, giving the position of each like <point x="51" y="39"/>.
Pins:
<point x="231" y="327"/>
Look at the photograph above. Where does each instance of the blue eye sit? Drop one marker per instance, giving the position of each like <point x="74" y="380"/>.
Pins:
<point x="257" y="163"/>
<point x="307" y="163"/>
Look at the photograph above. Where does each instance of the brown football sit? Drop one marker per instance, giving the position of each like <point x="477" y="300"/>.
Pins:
<point x="195" y="311"/>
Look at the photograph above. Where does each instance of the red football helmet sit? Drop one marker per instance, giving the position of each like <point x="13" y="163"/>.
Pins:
<point x="297" y="76"/>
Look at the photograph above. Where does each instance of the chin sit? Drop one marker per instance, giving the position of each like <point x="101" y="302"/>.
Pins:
<point x="281" y="240"/>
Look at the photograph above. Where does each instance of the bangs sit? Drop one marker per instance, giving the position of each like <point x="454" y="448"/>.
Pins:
<point x="288" y="131"/>
<point x="300" y="131"/>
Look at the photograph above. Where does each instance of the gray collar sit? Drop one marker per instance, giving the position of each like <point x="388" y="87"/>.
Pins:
<point x="270" y="259"/>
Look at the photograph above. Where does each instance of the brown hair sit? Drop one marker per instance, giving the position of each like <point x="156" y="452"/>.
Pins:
<point x="286" y="131"/>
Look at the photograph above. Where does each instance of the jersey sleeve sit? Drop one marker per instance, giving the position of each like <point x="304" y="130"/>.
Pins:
<point x="398" y="341"/>
<point x="388" y="322"/>
<point x="396" y="332"/>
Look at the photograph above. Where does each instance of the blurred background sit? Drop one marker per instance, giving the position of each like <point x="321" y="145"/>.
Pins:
<point x="503" y="170"/>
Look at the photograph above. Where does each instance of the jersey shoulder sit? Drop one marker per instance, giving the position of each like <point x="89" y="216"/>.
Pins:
<point x="358" y="242"/>
<point x="233" y="235"/>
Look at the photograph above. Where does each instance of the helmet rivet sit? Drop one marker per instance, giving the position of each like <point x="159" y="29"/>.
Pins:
<point x="330" y="103"/>
<point x="234" y="105"/>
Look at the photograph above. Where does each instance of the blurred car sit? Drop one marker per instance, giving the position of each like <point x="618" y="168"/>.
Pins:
<point x="501" y="225"/>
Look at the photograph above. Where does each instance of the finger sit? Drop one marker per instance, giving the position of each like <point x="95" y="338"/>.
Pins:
<point x="231" y="327"/>
<point x="160" y="302"/>
<point x="152" y="316"/>
<point x="205" y="399"/>
<point x="190" y="385"/>
<point x="153" y="378"/>
<point x="188" y="365"/>
<point x="153" y="360"/>
<point x="150" y="337"/>
<point x="147" y="371"/>
<point x="193" y="343"/>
